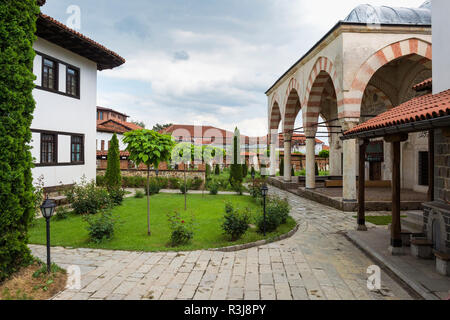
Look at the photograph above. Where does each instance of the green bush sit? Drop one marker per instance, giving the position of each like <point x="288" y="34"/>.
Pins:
<point x="174" y="183"/>
<point x="244" y="170"/>
<point x="217" y="170"/>
<point x="279" y="207"/>
<point x="163" y="182"/>
<point x="235" y="223"/>
<point x="213" y="188"/>
<point x="134" y="182"/>
<point x="100" y="227"/>
<point x="113" y="178"/>
<point x="324" y="154"/>
<point x="207" y="171"/>
<point x="87" y="198"/>
<point x="100" y="180"/>
<point x="181" y="231"/>
<point x="184" y="186"/>
<point x="139" y="194"/>
<point x="17" y="34"/>
<point x="116" y="194"/>
<point x="272" y="222"/>
<point x="154" y="187"/>
<point x="61" y="213"/>
<point x="196" y="183"/>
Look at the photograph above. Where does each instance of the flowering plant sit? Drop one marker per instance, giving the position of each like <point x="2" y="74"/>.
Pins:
<point x="182" y="231"/>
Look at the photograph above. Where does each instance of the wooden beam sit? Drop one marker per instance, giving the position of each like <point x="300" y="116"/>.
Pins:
<point x="396" y="229"/>
<point x="362" y="185"/>
<point x="400" y="137"/>
<point x="431" y="165"/>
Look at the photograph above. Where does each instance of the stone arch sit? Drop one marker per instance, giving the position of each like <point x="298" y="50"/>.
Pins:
<point x="321" y="73"/>
<point x="292" y="105"/>
<point x="412" y="46"/>
<point x="275" y="116"/>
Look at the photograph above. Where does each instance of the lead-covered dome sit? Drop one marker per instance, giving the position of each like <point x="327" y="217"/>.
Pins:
<point x="366" y="13"/>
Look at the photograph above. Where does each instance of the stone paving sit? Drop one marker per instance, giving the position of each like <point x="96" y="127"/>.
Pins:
<point x="317" y="263"/>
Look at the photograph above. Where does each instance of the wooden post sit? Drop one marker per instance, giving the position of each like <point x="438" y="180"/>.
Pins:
<point x="431" y="165"/>
<point x="362" y="186"/>
<point x="396" y="228"/>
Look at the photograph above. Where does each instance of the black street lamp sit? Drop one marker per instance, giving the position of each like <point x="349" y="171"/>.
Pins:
<point x="264" y="191"/>
<point x="47" y="209"/>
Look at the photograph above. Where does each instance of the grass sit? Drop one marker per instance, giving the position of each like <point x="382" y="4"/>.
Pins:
<point x="131" y="231"/>
<point x="379" y="220"/>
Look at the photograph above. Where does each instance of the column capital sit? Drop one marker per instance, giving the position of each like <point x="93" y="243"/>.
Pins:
<point x="349" y="123"/>
<point x="287" y="136"/>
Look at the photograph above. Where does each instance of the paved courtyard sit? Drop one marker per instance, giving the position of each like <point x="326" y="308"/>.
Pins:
<point x="317" y="263"/>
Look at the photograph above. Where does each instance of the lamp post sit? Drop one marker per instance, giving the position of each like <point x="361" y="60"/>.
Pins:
<point x="264" y="191"/>
<point x="47" y="209"/>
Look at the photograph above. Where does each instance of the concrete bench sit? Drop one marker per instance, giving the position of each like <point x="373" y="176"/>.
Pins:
<point x="442" y="263"/>
<point x="422" y="248"/>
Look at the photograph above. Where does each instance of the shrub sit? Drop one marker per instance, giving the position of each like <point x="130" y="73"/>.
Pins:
<point x="184" y="186"/>
<point x="101" y="227"/>
<point x="213" y="188"/>
<point x="229" y="207"/>
<point x="174" y="183"/>
<point x="279" y="207"/>
<point x="113" y="178"/>
<point x="217" y="170"/>
<point x="207" y="170"/>
<point x="163" y="182"/>
<point x="100" y="180"/>
<point x="181" y="231"/>
<point x="196" y="183"/>
<point x="139" y="194"/>
<point x="235" y="223"/>
<point x="87" y="198"/>
<point x="116" y="194"/>
<point x="272" y="222"/>
<point x="153" y="187"/>
<point x="61" y="213"/>
<point x="237" y="187"/>
<point x="292" y="172"/>
<point x="324" y="154"/>
<point x="18" y="28"/>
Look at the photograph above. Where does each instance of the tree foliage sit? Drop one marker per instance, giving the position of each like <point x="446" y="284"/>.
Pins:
<point x="159" y="127"/>
<point x="17" y="34"/>
<point x="236" y="168"/>
<point x="324" y="154"/>
<point x="112" y="175"/>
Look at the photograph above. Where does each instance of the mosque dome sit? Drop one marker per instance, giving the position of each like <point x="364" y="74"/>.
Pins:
<point x="366" y="13"/>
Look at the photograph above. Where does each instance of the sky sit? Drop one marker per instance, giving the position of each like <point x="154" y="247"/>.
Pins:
<point x="203" y="62"/>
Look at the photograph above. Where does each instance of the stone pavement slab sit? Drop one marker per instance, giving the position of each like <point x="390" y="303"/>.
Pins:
<point x="317" y="262"/>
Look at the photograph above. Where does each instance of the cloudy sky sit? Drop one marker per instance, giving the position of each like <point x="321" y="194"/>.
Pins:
<point x="204" y="62"/>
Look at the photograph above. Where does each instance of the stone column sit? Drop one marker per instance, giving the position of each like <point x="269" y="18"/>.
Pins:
<point x="273" y="140"/>
<point x="310" y="162"/>
<point x="349" y="174"/>
<point x="287" y="156"/>
<point x="361" y="186"/>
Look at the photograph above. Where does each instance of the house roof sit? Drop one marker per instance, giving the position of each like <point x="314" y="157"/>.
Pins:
<point x="299" y="138"/>
<point x="99" y="108"/>
<point x="424" y="85"/>
<point x="61" y="35"/>
<point x="420" y="109"/>
<point x="116" y="126"/>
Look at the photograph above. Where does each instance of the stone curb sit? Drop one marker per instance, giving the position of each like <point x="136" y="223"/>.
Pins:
<point x="259" y="243"/>
<point x="414" y="285"/>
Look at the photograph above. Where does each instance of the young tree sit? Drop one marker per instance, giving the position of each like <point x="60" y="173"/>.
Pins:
<point x="236" y="167"/>
<point x="113" y="177"/>
<point x="17" y="33"/>
<point x="150" y="148"/>
<point x="324" y="154"/>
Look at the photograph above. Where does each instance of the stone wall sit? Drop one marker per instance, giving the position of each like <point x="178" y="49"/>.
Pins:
<point x="438" y="211"/>
<point x="161" y="173"/>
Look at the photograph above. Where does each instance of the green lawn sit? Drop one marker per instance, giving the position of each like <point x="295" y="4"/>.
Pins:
<point x="379" y="220"/>
<point x="131" y="232"/>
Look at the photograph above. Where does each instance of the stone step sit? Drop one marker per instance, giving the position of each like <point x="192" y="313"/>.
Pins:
<point x="413" y="222"/>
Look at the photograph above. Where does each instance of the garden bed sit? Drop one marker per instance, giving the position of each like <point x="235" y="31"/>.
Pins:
<point x="131" y="230"/>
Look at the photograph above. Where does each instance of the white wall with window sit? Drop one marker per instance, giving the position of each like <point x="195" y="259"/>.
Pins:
<point x="64" y="127"/>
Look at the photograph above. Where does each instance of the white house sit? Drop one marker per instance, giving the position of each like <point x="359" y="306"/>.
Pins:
<point x="64" y="126"/>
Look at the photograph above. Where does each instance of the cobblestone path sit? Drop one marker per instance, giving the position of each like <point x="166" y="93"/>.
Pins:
<point x="318" y="262"/>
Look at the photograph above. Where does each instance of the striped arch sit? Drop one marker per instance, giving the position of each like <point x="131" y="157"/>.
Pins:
<point x="322" y="71"/>
<point x="275" y="115"/>
<point x="394" y="51"/>
<point x="387" y="102"/>
<point x="292" y="105"/>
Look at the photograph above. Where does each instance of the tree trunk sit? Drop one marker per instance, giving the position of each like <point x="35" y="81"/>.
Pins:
<point x="148" y="201"/>
<point x="185" y="189"/>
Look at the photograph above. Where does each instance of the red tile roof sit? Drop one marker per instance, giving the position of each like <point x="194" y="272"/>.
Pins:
<point x="116" y="126"/>
<point x="424" y="85"/>
<point x="58" y="33"/>
<point x="421" y="108"/>
<point x="99" y="108"/>
<point x="301" y="138"/>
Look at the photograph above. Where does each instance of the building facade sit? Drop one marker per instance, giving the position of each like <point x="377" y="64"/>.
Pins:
<point x="367" y="64"/>
<point x="63" y="137"/>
